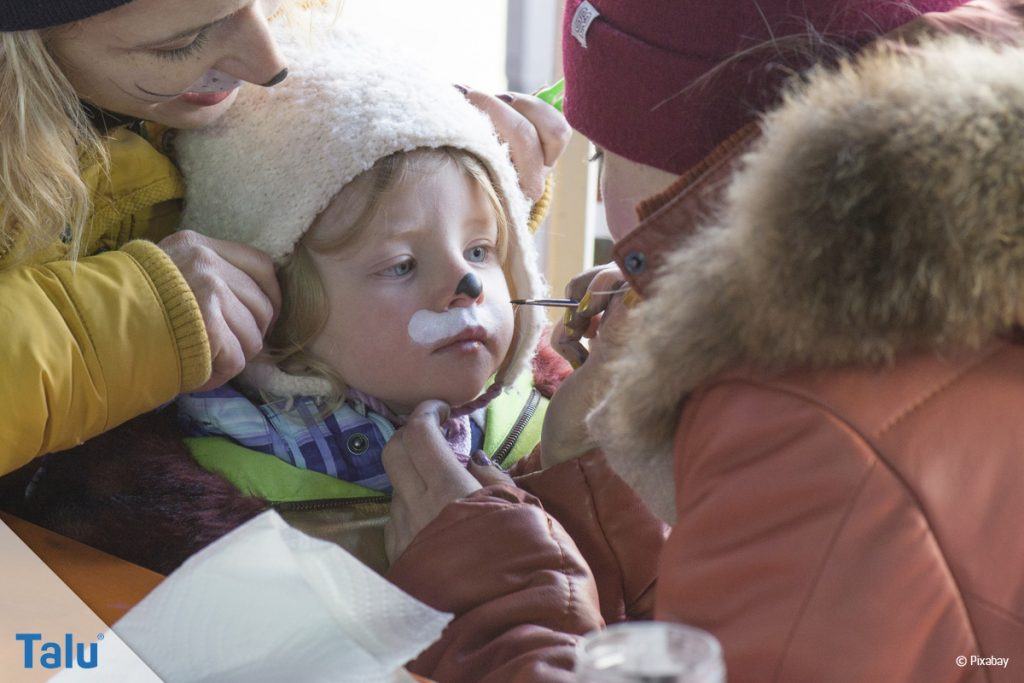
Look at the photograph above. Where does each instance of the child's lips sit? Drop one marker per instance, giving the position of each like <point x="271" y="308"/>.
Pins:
<point x="468" y="340"/>
<point x="205" y="99"/>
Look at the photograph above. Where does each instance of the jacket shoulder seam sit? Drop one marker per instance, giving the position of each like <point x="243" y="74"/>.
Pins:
<point x="932" y="393"/>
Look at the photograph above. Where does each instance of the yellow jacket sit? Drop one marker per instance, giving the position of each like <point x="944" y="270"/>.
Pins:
<point x="86" y="346"/>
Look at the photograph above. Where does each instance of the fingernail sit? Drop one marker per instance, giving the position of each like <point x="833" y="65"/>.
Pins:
<point x="567" y="318"/>
<point x="631" y="299"/>
<point x="462" y="89"/>
<point x="506" y="98"/>
<point x="480" y="458"/>
<point x="575" y="364"/>
<point x="583" y="304"/>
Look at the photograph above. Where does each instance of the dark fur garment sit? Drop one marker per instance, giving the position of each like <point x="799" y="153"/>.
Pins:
<point x="133" y="492"/>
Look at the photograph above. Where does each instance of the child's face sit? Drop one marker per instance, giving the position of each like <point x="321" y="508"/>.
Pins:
<point x="430" y="230"/>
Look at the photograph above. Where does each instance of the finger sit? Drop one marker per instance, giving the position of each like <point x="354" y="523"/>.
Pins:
<point x="397" y="534"/>
<point x="523" y="140"/>
<point x="552" y="128"/>
<point x="418" y="449"/>
<point x="567" y="346"/>
<point x="487" y="472"/>
<point x="605" y="285"/>
<point x="436" y="412"/>
<point x="404" y="477"/>
<point x="250" y="295"/>
<point x="578" y="286"/>
<point x="227" y="357"/>
<point x="243" y="326"/>
<point x="254" y="263"/>
<point x="611" y="329"/>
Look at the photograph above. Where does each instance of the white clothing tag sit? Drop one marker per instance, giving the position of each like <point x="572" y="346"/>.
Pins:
<point x="581" y="21"/>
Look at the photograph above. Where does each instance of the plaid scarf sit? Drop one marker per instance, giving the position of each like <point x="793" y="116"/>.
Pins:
<point x="346" y="444"/>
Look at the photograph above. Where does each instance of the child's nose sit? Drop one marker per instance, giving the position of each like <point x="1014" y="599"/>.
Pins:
<point x="468" y="291"/>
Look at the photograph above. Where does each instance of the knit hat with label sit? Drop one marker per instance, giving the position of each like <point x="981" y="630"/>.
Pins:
<point x="638" y="74"/>
<point x="263" y="172"/>
<point x="24" y="15"/>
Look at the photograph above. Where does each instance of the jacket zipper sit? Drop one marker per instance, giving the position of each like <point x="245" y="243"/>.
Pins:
<point x="517" y="429"/>
<point x="327" y="503"/>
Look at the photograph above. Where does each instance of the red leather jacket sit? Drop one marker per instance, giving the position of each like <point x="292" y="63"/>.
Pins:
<point x="826" y="402"/>
<point x="526" y="579"/>
<point x="844" y="343"/>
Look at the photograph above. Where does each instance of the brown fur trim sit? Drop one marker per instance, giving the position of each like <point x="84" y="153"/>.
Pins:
<point x="881" y="212"/>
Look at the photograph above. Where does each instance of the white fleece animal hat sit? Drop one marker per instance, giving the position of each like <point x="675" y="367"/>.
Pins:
<point x="263" y="173"/>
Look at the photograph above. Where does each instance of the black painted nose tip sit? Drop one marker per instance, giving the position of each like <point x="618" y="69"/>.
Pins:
<point x="283" y="74"/>
<point x="470" y="285"/>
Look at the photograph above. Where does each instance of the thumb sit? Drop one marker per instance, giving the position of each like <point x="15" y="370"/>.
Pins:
<point x="434" y="412"/>
<point x="486" y="472"/>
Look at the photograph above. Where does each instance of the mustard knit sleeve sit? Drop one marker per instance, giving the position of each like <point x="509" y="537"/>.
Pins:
<point x="183" y="314"/>
<point x="87" y="346"/>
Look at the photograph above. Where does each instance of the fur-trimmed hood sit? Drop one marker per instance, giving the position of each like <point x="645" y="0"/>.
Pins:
<point x="881" y="212"/>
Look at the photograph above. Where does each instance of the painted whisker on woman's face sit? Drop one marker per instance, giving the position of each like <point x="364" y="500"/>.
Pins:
<point x="181" y="71"/>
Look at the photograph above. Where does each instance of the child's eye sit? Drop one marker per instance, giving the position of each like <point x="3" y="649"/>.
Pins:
<point x="399" y="269"/>
<point x="477" y="254"/>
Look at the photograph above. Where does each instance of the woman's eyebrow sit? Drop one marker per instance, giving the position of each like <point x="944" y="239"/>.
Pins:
<point x="183" y="34"/>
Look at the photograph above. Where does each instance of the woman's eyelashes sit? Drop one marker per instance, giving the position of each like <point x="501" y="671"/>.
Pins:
<point x="180" y="53"/>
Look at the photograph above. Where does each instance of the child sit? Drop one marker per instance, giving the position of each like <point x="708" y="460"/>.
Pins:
<point x="401" y="236"/>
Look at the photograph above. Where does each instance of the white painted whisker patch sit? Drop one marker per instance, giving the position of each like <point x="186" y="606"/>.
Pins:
<point x="427" y="328"/>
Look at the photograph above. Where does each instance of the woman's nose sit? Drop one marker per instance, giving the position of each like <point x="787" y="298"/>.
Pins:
<point x="254" y="55"/>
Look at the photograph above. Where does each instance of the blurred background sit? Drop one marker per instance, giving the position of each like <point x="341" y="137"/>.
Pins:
<point x="498" y="46"/>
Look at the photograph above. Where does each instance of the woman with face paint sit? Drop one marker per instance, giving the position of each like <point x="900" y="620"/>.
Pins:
<point x="107" y="312"/>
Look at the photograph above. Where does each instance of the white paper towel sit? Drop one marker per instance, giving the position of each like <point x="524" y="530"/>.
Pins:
<point x="268" y="603"/>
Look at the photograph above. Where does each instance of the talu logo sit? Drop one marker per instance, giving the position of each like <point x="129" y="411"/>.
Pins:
<point x="68" y="654"/>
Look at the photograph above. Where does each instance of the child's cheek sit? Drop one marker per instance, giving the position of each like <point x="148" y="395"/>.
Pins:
<point x="498" y="300"/>
<point x="395" y="325"/>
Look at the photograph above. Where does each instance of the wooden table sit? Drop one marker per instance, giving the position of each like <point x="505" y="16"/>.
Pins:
<point x="108" y="585"/>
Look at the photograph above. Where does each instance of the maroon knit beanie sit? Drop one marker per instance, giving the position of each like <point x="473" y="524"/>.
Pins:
<point x="23" y="15"/>
<point x="633" y="68"/>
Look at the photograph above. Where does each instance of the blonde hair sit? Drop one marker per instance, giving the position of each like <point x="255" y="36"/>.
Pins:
<point x="46" y="140"/>
<point x="304" y="309"/>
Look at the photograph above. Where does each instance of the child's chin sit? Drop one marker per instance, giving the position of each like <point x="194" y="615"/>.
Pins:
<point x="457" y="395"/>
<point x="458" y="398"/>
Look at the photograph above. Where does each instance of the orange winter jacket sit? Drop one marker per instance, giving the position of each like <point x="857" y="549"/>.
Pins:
<point x="828" y="400"/>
